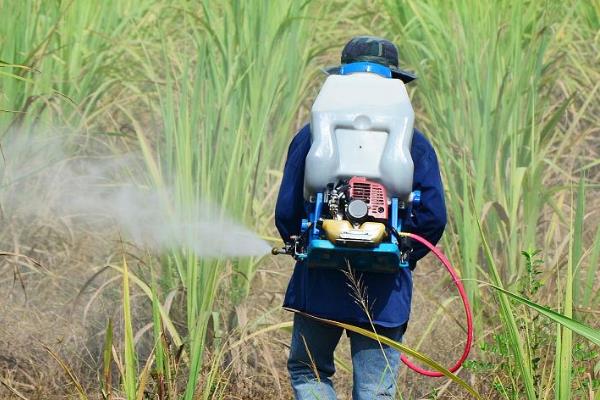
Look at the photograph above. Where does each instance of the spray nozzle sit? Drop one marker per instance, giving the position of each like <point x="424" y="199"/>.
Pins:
<point x="280" y="250"/>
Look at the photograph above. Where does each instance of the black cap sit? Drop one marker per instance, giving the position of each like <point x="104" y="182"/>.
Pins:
<point x="375" y="50"/>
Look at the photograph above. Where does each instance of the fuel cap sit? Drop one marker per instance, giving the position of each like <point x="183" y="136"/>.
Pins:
<point x="357" y="210"/>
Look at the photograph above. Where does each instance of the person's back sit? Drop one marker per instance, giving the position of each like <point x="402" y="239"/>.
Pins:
<point x="327" y="293"/>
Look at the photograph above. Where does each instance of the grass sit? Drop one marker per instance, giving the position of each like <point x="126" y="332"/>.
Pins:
<point x="209" y="93"/>
<point x="498" y="125"/>
<point x="489" y="77"/>
<point x="219" y="119"/>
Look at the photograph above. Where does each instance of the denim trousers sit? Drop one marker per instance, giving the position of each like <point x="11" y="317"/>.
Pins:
<point x="311" y="366"/>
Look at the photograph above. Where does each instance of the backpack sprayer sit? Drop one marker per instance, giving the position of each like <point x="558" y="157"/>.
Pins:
<point x="358" y="181"/>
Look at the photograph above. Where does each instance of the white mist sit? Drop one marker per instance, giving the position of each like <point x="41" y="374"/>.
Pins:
<point x="42" y="179"/>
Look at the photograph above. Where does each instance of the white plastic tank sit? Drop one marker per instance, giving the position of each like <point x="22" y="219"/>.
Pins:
<point x="361" y="125"/>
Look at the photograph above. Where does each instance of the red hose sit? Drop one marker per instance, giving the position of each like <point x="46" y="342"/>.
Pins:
<point x="465" y="300"/>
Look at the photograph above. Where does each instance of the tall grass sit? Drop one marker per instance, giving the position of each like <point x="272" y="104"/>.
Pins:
<point x="494" y="100"/>
<point x="223" y="93"/>
<point x="66" y="55"/>
<point x="222" y="125"/>
<point x="486" y="70"/>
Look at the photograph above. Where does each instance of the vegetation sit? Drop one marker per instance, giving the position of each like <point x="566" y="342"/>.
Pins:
<point x="208" y="95"/>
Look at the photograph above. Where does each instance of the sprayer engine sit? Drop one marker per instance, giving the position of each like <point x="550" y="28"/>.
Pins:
<point x="372" y="194"/>
<point x="350" y="224"/>
<point x="357" y="211"/>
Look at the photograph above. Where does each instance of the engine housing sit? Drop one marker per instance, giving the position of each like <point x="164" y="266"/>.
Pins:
<point x="372" y="193"/>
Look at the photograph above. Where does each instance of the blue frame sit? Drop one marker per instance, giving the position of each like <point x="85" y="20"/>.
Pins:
<point x="385" y="257"/>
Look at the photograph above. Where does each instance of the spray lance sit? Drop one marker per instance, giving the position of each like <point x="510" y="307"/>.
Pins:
<point x="358" y="182"/>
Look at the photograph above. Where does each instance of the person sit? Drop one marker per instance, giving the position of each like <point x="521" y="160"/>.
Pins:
<point x="326" y="293"/>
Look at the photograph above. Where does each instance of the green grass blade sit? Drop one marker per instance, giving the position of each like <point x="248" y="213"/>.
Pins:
<point x="14" y="76"/>
<point x="170" y="327"/>
<point x="564" y="337"/>
<point x="577" y="240"/>
<point x="130" y="371"/>
<point x="558" y="364"/>
<point x="158" y="340"/>
<point x="584" y="330"/>
<point x="593" y="266"/>
<point x="523" y="364"/>
<point x="106" y="384"/>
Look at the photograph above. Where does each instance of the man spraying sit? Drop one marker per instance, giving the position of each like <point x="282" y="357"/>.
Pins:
<point x="354" y="178"/>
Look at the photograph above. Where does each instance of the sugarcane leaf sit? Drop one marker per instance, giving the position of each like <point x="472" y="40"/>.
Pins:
<point x="574" y="325"/>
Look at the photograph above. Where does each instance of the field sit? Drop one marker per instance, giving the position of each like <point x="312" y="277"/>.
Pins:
<point x="142" y="144"/>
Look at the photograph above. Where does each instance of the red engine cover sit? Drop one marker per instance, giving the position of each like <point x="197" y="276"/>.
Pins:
<point x="372" y="193"/>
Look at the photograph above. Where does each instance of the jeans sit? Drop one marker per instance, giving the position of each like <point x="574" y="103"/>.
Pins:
<point x="311" y="364"/>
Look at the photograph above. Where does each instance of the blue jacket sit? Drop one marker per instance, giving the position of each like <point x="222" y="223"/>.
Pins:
<point x="324" y="292"/>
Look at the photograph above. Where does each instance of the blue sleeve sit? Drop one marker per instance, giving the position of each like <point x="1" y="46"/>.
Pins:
<point x="289" y="209"/>
<point x="429" y="219"/>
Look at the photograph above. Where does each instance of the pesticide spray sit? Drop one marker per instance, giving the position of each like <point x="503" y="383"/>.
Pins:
<point x="45" y="178"/>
